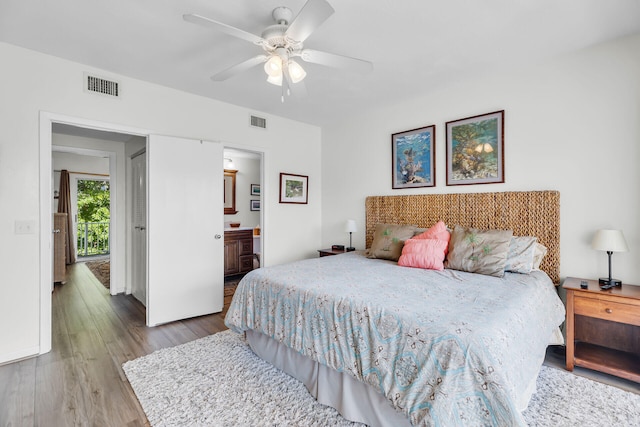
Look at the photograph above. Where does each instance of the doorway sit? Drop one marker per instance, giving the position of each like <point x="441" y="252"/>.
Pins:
<point x="89" y="166"/>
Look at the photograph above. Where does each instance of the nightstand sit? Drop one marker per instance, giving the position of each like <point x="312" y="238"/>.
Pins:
<point x="328" y="252"/>
<point x="603" y="328"/>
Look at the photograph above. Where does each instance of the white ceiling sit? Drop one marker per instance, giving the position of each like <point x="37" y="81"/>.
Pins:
<point x="415" y="45"/>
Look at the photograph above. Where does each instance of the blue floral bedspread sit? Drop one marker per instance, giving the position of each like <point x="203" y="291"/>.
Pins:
<point x="445" y="347"/>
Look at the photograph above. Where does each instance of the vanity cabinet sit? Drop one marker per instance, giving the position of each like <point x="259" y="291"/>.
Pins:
<point x="238" y="252"/>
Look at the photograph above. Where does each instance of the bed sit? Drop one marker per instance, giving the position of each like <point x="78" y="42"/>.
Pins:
<point x="392" y="345"/>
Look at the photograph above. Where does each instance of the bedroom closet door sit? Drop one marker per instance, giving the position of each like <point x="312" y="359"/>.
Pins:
<point x="184" y="229"/>
<point x="139" y="232"/>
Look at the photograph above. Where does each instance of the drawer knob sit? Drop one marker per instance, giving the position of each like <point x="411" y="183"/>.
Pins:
<point x="608" y="310"/>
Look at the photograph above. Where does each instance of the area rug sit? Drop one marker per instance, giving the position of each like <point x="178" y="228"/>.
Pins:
<point x="218" y="380"/>
<point x="101" y="269"/>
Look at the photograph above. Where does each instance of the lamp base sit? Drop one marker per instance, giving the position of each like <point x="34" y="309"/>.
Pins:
<point x="609" y="283"/>
<point x="350" y="249"/>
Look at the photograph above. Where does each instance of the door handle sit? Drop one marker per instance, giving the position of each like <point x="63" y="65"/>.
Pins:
<point x="57" y="230"/>
<point x="217" y="236"/>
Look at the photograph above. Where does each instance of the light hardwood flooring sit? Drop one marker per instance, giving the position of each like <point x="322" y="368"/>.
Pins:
<point x="81" y="382"/>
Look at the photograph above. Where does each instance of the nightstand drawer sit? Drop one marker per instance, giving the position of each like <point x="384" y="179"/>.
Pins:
<point x="607" y="310"/>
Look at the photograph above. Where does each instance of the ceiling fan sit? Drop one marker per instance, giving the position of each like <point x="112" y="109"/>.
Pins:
<point x="282" y="42"/>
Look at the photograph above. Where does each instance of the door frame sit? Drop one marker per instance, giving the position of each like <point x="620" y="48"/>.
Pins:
<point x="46" y="121"/>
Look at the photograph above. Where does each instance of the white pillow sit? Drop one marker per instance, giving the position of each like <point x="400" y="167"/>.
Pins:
<point x="521" y="254"/>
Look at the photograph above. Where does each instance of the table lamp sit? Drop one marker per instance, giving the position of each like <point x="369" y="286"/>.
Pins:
<point x="610" y="241"/>
<point x="350" y="227"/>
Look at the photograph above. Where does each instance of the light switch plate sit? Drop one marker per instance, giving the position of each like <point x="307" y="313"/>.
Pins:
<point x="25" y="227"/>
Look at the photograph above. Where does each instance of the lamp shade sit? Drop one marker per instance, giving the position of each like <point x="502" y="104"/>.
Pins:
<point x="275" y="80"/>
<point x="610" y="241"/>
<point x="273" y="66"/>
<point x="351" y="226"/>
<point x="296" y="72"/>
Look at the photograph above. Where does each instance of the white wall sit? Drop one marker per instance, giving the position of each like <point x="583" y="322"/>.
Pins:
<point x="571" y="124"/>
<point x="32" y="82"/>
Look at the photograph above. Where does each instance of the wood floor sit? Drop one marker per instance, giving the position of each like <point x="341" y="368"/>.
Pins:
<point x="81" y="382"/>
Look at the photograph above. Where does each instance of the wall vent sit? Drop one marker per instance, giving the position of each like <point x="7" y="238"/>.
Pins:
<point x="258" y="122"/>
<point x="102" y="86"/>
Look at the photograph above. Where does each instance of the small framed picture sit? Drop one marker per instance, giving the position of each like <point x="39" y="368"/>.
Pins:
<point x="413" y="155"/>
<point x="475" y="149"/>
<point x="255" y="205"/>
<point x="293" y="188"/>
<point x="255" y="189"/>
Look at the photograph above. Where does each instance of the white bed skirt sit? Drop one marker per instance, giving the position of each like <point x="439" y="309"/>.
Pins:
<point x="354" y="400"/>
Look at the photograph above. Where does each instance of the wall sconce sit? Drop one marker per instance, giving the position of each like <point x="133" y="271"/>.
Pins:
<point x="56" y="194"/>
<point x="350" y="227"/>
<point x="228" y="164"/>
<point x="610" y="241"/>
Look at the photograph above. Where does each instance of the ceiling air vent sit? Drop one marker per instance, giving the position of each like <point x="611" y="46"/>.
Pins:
<point x="102" y="86"/>
<point x="258" y="122"/>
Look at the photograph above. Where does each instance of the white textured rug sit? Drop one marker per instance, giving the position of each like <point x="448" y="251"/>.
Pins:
<point x="218" y="381"/>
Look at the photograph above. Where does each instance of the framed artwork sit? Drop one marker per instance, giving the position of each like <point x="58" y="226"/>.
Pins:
<point x="293" y="188"/>
<point x="255" y="189"/>
<point x="255" y="205"/>
<point x="413" y="155"/>
<point x="475" y="149"/>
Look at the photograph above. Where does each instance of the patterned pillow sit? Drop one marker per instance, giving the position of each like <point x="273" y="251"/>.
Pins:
<point x="423" y="253"/>
<point x="479" y="251"/>
<point x="388" y="240"/>
<point x="521" y="253"/>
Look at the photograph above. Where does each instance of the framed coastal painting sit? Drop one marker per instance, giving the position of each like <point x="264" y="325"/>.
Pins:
<point x="413" y="155"/>
<point x="255" y="189"/>
<point x="254" y="205"/>
<point x="475" y="149"/>
<point x="293" y="188"/>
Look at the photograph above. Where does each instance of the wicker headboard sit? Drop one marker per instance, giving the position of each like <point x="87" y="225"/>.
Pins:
<point x="527" y="213"/>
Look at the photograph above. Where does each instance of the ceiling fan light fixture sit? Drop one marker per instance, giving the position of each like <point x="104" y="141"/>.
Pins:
<point x="277" y="80"/>
<point x="273" y="66"/>
<point x="296" y="72"/>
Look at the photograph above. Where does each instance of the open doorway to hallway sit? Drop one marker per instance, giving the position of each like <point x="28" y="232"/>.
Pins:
<point x="84" y="178"/>
<point x="95" y="160"/>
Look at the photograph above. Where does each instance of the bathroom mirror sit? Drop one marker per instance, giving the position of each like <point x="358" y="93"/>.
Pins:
<point x="230" y="192"/>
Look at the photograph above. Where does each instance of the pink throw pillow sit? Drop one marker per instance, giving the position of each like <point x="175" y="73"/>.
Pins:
<point x="424" y="253"/>
<point x="439" y="232"/>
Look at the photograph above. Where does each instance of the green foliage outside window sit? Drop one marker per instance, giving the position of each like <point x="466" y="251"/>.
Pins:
<point x="93" y="217"/>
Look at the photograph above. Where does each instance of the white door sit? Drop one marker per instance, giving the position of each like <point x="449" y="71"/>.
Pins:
<point x="184" y="229"/>
<point x="139" y="224"/>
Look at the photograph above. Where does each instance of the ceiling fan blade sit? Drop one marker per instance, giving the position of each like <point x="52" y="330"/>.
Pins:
<point x="239" y="68"/>
<point x="227" y="29"/>
<point x="310" y="17"/>
<point x="336" y="61"/>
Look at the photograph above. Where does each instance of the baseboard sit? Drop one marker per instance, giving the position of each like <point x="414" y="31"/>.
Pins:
<point x="17" y="356"/>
